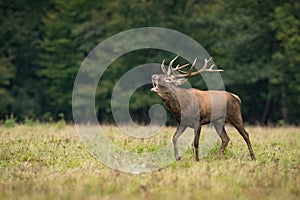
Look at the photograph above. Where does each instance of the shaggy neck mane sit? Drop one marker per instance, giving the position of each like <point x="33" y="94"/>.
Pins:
<point x="170" y="99"/>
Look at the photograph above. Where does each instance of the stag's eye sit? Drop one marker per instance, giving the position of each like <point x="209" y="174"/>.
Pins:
<point x="168" y="79"/>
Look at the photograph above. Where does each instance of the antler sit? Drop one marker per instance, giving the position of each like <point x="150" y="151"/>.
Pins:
<point x="170" y="69"/>
<point x="191" y="73"/>
<point x="162" y="66"/>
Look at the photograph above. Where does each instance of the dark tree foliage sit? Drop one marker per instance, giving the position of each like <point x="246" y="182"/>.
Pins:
<point x="43" y="44"/>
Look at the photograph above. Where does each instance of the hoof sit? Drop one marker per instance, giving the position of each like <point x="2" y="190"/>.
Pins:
<point x="253" y="158"/>
<point x="178" y="158"/>
<point x="218" y="157"/>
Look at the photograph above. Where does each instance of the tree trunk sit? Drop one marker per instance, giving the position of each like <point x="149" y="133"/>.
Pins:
<point x="264" y="117"/>
<point x="284" y="109"/>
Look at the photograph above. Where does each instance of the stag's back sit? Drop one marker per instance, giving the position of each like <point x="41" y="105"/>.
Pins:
<point x="211" y="105"/>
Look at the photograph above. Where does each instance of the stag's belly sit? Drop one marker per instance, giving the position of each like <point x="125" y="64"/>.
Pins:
<point x="194" y="115"/>
<point x="190" y="116"/>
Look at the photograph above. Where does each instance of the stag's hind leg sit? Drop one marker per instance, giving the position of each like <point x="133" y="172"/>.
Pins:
<point x="219" y="126"/>
<point x="238" y="124"/>
<point x="245" y="135"/>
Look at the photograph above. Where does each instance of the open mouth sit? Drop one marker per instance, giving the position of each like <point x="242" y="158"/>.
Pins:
<point x="155" y="86"/>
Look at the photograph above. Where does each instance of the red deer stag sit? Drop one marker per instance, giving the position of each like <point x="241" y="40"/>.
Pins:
<point x="193" y="108"/>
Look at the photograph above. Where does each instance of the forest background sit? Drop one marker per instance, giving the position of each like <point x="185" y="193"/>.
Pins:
<point x="43" y="44"/>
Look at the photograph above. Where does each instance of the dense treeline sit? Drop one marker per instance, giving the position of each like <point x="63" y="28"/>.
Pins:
<point x="43" y="43"/>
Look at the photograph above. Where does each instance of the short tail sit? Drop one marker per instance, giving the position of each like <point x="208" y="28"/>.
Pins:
<point x="237" y="98"/>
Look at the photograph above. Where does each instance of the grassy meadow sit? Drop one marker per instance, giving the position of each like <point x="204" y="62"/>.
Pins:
<point x="48" y="161"/>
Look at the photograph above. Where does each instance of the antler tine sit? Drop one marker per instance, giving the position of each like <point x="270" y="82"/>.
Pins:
<point x="208" y="59"/>
<point x="171" y="63"/>
<point x="212" y="67"/>
<point x="170" y="69"/>
<point x="203" y="69"/>
<point x="179" y="68"/>
<point x="187" y="74"/>
<point x="193" y="66"/>
<point x="205" y="64"/>
<point x="162" y="66"/>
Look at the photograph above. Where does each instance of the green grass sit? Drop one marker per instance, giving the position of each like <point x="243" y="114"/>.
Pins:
<point x="50" y="162"/>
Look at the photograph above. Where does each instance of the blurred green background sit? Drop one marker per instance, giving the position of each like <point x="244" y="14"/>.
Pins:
<point x="42" y="45"/>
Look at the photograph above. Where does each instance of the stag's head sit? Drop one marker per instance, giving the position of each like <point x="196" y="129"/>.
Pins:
<point x="174" y="77"/>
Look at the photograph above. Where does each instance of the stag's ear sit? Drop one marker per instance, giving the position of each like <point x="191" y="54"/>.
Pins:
<point x="180" y="81"/>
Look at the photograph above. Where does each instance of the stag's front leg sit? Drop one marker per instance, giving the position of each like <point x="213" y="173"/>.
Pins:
<point x="180" y="129"/>
<point x="197" y="131"/>
<point x="219" y="126"/>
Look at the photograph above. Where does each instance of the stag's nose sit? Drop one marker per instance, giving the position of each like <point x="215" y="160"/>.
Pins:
<point x="154" y="77"/>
